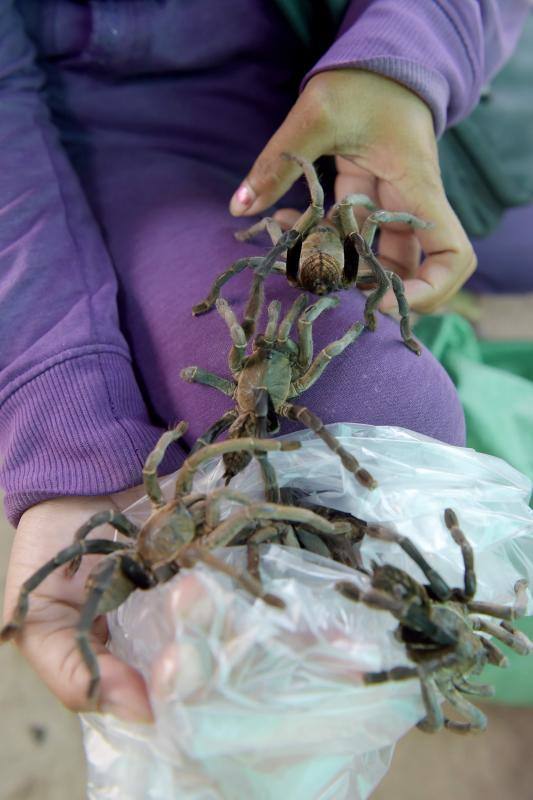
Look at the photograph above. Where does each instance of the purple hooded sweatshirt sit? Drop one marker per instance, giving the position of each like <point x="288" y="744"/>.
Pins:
<point x="124" y="129"/>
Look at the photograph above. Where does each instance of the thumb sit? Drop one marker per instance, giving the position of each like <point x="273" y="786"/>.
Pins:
<point x="306" y="133"/>
<point x="50" y="646"/>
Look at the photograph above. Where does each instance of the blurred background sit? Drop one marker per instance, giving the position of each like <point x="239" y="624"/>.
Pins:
<point x="41" y="754"/>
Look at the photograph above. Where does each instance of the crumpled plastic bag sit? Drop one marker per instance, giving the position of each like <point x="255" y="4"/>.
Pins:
<point x="257" y="703"/>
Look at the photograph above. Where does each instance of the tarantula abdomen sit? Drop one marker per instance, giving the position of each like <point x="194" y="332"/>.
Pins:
<point x="319" y="274"/>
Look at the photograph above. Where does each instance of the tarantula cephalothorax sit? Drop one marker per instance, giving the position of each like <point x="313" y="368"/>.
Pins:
<point x="279" y="369"/>
<point x="325" y="258"/>
<point x="176" y="534"/>
<point x="439" y="626"/>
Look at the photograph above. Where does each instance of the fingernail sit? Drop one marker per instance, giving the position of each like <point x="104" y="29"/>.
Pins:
<point x="241" y="200"/>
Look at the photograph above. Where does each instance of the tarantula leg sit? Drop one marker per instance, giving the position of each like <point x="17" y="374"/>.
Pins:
<point x="438" y="585"/>
<point x="345" y="552"/>
<point x="394" y="674"/>
<point x="218" y="427"/>
<point x="476" y="689"/>
<point x="213" y="501"/>
<point x="292" y="264"/>
<point x="76" y="550"/>
<point x="262" y="411"/>
<point x="514" y="639"/>
<point x="351" y="262"/>
<point x="344" y="217"/>
<point x="288" y="320"/>
<point x="269" y="478"/>
<point x="252" y="560"/>
<point x="518" y="609"/>
<point x="322" y="360"/>
<point x="238" y="351"/>
<point x="306" y="321"/>
<point x="403" y="308"/>
<point x="269" y="263"/>
<point x="229" y="530"/>
<point x="110" y="517"/>
<point x="151" y="483"/>
<point x="452" y="523"/>
<point x="199" y="375"/>
<point x="287" y="536"/>
<point x="224" y="277"/>
<point x="273" y="313"/>
<point x="186" y="472"/>
<point x="382" y="279"/>
<point x="385" y="280"/>
<point x="254" y="305"/>
<point x="314" y="423"/>
<point x="494" y="654"/>
<point x="248" y="582"/>
<point x="525" y="642"/>
<point x="268" y="224"/>
<point x="477" y="721"/>
<point x="346" y="224"/>
<point x="90" y="610"/>
<point x="373" y="598"/>
<point x="359" y="200"/>
<point x="434" y="719"/>
<point x="379" y="217"/>
<point x="266" y="417"/>
<point x="315" y="210"/>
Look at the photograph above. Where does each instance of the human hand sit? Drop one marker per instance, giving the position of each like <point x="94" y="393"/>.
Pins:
<point x="48" y="638"/>
<point x="382" y="136"/>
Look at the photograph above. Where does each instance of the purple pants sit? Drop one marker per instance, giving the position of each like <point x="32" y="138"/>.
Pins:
<point x="159" y="156"/>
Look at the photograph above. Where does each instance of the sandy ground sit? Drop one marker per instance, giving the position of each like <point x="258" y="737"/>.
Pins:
<point x="41" y="755"/>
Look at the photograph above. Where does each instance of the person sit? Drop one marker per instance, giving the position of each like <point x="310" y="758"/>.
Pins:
<point x="125" y="128"/>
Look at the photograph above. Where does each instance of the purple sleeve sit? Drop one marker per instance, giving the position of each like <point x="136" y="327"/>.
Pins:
<point x="72" y="419"/>
<point x="444" y="50"/>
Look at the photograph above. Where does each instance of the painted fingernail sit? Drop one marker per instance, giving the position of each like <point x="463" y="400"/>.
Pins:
<point x="241" y="200"/>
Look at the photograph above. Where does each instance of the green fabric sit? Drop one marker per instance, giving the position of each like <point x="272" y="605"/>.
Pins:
<point x="487" y="159"/>
<point x="494" y="380"/>
<point x="495" y="384"/>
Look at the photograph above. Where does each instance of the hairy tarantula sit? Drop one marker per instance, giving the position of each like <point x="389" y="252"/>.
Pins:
<point x="345" y="549"/>
<point x="325" y="258"/>
<point x="439" y="626"/>
<point x="277" y="370"/>
<point x="177" y="534"/>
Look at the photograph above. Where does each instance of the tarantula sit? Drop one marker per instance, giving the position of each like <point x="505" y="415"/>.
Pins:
<point x="439" y="627"/>
<point x="177" y="534"/>
<point x="325" y="258"/>
<point x="277" y="370"/>
<point x="346" y="548"/>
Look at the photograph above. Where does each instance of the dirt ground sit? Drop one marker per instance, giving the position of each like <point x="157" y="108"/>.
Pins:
<point x="41" y="755"/>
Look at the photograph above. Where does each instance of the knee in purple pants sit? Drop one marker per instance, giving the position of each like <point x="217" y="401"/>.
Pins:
<point x="170" y="234"/>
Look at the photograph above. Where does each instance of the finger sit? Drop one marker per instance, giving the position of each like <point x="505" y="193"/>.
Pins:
<point x="400" y="252"/>
<point x="449" y="257"/>
<point x="48" y="637"/>
<point x="353" y="179"/>
<point x="287" y="217"/>
<point x="51" y="647"/>
<point x="304" y="133"/>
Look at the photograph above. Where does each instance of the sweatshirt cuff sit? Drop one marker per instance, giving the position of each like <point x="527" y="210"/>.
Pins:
<point x="427" y="47"/>
<point x="79" y="428"/>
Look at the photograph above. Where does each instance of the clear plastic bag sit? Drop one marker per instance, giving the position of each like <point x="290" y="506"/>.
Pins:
<point x="257" y="703"/>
